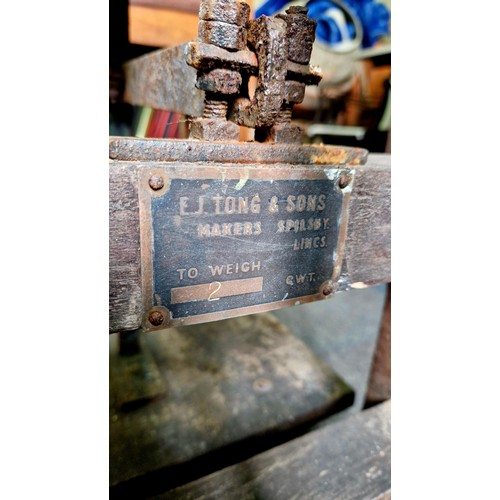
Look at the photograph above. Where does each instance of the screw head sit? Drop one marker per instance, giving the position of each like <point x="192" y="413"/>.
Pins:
<point x="156" y="182"/>
<point x="344" y="181"/>
<point x="155" y="318"/>
<point x="329" y="288"/>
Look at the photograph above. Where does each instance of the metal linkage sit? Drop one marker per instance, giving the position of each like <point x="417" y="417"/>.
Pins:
<point x="223" y="23"/>
<point x="229" y="49"/>
<point x="300" y="35"/>
<point x="208" y="79"/>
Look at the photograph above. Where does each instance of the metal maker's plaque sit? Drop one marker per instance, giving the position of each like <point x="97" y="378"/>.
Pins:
<point x="225" y="242"/>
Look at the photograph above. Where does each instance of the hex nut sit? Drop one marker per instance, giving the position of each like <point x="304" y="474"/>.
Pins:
<point x="214" y="129"/>
<point x="220" y="80"/>
<point x="280" y="133"/>
<point x="224" y="35"/>
<point x="294" y="92"/>
<point x="226" y="11"/>
<point x="300" y="33"/>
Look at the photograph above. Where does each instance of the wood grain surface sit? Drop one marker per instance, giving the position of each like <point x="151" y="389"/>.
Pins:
<point x="183" y="5"/>
<point x="125" y="293"/>
<point x="231" y="389"/>
<point x="368" y="242"/>
<point x="366" y="255"/>
<point x="346" y="460"/>
<point x="379" y="385"/>
<point x="161" y="27"/>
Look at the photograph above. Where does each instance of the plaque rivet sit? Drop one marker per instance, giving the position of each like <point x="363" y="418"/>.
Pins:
<point x="156" y="182"/>
<point x="344" y="181"/>
<point x="329" y="289"/>
<point x="155" y="318"/>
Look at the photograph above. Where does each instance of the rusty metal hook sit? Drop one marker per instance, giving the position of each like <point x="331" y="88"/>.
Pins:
<point x="267" y="35"/>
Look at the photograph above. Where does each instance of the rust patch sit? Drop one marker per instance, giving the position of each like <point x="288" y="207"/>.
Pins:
<point x="336" y="156"/>
<point x="242" y="153"/>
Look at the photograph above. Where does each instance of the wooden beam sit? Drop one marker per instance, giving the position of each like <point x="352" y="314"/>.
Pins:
<point x="161" y="27"/>
<point x="379" y="384"/>
<point x="229" y="389"/>
<point x="150" y="81"/>
<point x="346" y="459"/>
<point x="366" y="258"/>
<point x="125" y="292"/>
<point x="184" y="5"/>
<point x="368" y="243"/>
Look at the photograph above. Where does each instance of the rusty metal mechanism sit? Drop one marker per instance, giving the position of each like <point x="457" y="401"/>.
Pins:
<point x="282" y="46"/>
<point x="230" y="49"/>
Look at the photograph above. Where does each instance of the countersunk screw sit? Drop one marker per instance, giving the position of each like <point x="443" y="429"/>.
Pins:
<point x="344" y="181"/>
<point x="156" y="182"/>
<point x="155" y="318"/>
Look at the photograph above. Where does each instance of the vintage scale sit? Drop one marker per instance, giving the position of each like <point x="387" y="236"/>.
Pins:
<point x="214" y="228"/>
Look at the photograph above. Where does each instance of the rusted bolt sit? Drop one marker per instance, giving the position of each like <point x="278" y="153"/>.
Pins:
<point x="224" y="35"/>
<point x="227" y="11"/>
<point x="220" y="80"/>
<point x="344" y="181"/>
<point x="300" y="33"/>
<point x="214" y="129"/>
<point x="155" y="318"/>
<point x="294" y="92"/>
<point x="215" y="108"/>
<point x="280" y="132"/>
<point x="156" y="182"/>
<point x="329" y="288"/>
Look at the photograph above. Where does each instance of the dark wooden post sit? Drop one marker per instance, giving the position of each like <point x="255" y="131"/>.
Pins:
<point x="379" y="385"/>
<point x="129" y="343"/>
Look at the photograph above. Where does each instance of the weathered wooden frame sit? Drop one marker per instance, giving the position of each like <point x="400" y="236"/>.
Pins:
<point x="366" y="256"/>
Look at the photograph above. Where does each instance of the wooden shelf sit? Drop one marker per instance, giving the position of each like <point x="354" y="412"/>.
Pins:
<point x="163" y="23"/>
<point x="161" y="27"/>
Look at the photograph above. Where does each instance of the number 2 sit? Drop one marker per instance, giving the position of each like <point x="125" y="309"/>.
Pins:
<point x="218" y="284"/>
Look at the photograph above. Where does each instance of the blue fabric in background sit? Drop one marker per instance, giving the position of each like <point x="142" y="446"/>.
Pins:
<point x="374" y="17"/>
<point x="270" y="7"/>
